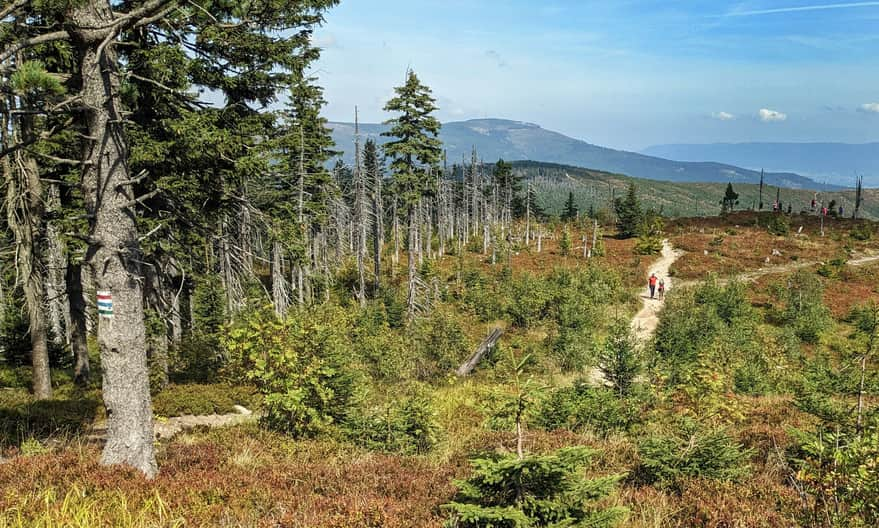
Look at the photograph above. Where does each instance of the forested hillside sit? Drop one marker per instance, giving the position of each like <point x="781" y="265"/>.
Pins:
<point x="201" y="324"/>
<point x="596" y="189"/>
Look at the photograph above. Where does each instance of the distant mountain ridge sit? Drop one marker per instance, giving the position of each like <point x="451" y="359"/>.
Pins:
<point x="833" y="162"/>
<point x="516" y="140"/>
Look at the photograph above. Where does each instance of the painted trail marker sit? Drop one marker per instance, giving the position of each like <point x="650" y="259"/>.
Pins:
<point x="105" y="304"/>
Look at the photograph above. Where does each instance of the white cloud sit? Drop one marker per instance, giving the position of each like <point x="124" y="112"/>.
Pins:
<point x="873" y="108"/>
<point x="769" y="116"/>
<point x="723" y="116"/>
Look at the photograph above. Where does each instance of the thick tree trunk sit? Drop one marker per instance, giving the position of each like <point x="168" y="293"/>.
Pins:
<point x="113" y="252"/>
<point x="78" y="341"/>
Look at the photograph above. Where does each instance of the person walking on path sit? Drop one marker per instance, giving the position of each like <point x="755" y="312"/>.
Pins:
<point x="652" y="284"/>
<point x="661" y="289"/>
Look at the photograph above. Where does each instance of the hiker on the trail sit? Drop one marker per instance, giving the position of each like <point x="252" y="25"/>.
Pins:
<point x="661" y="288"/>
<point x="824" y="211"/>
<point x="840" y="211"/>
<point x="652" y="284"/>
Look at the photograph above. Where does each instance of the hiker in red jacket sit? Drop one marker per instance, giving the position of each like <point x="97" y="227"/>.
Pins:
<point x="652" y="284"/>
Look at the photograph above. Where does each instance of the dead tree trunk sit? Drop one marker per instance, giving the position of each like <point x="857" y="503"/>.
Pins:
<point x="378" y="226"/>
<point x="113" y="252"/>
<point x="487" y="344"/>
<point x="395" y="257"/>
<point x="528" y="217"/>
<point x="279" y="281"/>
<point x="411" y="257"/>
<point x="25" y="217"/>
<point x="360" y="215"/>
<point x="59" y="316"/>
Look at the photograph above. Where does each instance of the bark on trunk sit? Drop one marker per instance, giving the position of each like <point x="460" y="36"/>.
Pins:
<point x="59" y="316"/>
<point x="78" y="341"/>
<point x="377" y="235"/>
<point x="279" y="282"/>
<point x="113" y="252"/>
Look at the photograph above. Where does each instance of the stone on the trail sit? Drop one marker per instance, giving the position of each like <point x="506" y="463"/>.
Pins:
<point x="706" y="252"/>
<point x="776" y="253"/>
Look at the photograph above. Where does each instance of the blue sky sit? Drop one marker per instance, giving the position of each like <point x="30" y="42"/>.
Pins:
<point x="625" y="74"/>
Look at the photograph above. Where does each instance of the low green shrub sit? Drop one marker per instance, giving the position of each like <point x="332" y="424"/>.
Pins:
<point x="199" y="399"/>
<point x="438" y="344"/>
<point x="406" y="426"/>
<point x="301" y="364"/>
<point x="778" y="225"/>
<point x="837" y="472"/>
<point x="535" y="490"/>
<point x="197" y="359"/>
<point x="691" y="452"/>
<point x="23" y="418"/>
<point x="861" y="232"/>
<point x="582" y="408"/>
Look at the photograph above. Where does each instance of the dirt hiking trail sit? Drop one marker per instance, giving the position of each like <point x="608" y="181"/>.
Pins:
<point x="646" y="320"/>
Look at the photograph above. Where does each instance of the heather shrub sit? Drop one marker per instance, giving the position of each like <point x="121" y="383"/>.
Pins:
<point x="23" y="418"/>
<point x="199" y="399"/>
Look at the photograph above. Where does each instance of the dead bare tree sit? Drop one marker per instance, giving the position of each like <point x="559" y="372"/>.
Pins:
<point x="25" y="218"/>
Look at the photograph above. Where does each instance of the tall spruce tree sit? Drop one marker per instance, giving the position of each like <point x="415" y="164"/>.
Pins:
<point x="629" y="213"/>
<point x="730" y="200"/>
<point x="413" y="152"/>
<point x="570" y="212"/>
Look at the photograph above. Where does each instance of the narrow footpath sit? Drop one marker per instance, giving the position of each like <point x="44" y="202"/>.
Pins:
<point x="646" y="320"/>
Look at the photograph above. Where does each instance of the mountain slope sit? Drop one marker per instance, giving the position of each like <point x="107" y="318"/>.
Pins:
<point x="514" y="140"/>
<point x="596" y="190"/>
<point x="833" y="162"/>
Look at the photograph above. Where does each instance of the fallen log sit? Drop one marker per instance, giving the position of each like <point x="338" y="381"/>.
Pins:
<point x="486" y="345"/>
